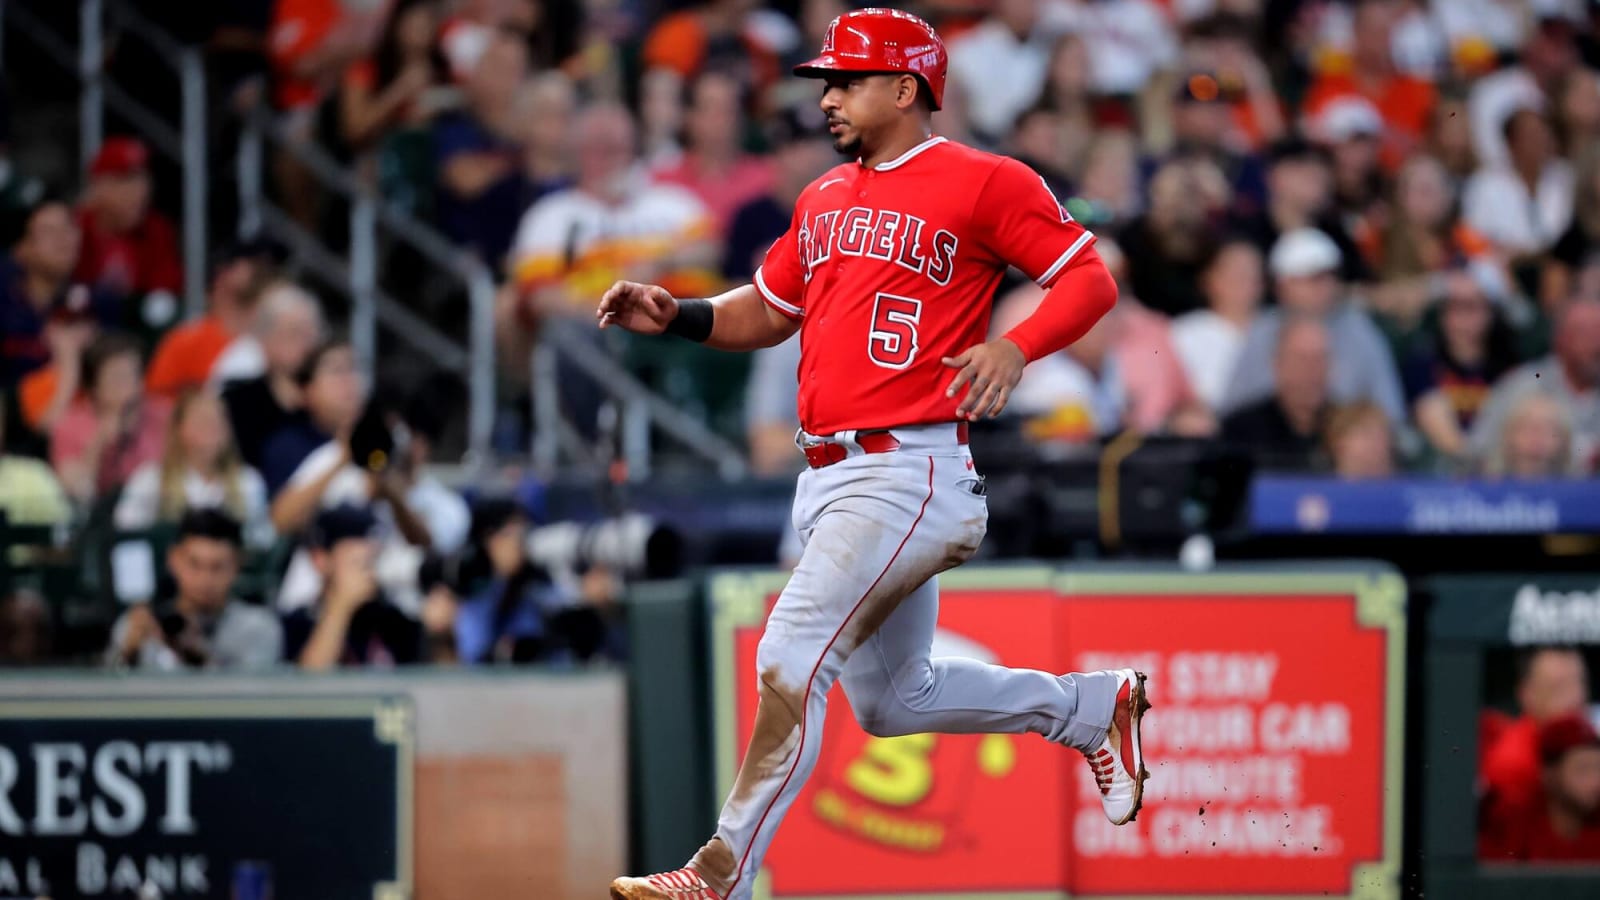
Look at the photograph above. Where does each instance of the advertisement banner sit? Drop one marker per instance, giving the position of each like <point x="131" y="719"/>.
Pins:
<point x="1274" y="746"/>
<point x="206" y="798"/>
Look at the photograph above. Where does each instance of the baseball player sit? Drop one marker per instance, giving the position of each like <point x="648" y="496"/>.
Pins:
<point x="887" y="271"/>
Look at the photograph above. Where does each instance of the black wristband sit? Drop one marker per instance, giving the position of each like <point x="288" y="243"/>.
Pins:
<point x="694" y="320"/>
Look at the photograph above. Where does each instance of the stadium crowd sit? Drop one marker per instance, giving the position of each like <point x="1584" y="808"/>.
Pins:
<point x="1354" y="237"/>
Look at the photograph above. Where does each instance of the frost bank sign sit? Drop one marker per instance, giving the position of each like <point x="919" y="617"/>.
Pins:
<point x="178" y="798"/>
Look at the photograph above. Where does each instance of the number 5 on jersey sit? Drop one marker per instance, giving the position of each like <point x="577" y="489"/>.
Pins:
<point x="892" y="342"/>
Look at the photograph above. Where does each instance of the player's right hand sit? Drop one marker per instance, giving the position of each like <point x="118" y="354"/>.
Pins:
<point x="641" y="308"/>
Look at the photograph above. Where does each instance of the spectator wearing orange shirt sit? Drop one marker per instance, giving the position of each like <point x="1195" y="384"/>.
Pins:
<point x="1561" y="823"/>
<point x="1405" y="101"/>
<point x="184" y="359"/>
<point x="312" y="42"/>
<point x="714" y="35"/>
<point x="129" y="248"/>
<point x="310" y="45"/>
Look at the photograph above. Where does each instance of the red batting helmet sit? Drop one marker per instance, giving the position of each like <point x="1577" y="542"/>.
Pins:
<point x="882" y="40"/>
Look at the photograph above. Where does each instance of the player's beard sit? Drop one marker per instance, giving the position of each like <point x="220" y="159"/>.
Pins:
<point x="848" y="146"/>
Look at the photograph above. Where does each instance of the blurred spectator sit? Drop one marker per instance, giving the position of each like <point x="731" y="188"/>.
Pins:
<point x="36" y="290"/>
<point x="1580" y="243"/>
<point x="1304" y="265"/>
<point x="422" y="421"/>
<point x="1036" y="141"/>
<point x="1360" y="442"/>
<point x="1450" y="140"/>
<point x="1547" y="57"/>
<point x="29" y="491"/>
<point x="203" y="627"/>
<point x="466" y="34"/>
<point x="771" y="409"/>
<point x="515" y="613"/>
<point x="1421" y="240"/>
<point x="1173" y="239"/>
<point x="661" y="118"/>
<point x="1576" y="104"/>
<point x="1477" y="31"/>
<point x="1208" y="341"/>
<point x="113" y="429"/>
<point x="1571" y="374"/>
<point x="402" y="84"/>
<point x="1223" y="45"/>
<point x="1284" y="429"/>
<point x="1108" y="183"/>
<point x="313" y="42"/>
<point x="714" y="167"/>
<point x="129" y="248"/>
<point x="548" y="104"/>
<point x="1562" y="824"/>
<point x="1000" y="65"/>
<point x="200" y="469"/>
<point x="1552" y="682"/>
<point x="333" y="392"/>
<point x="1203" y="126"/>
<point x="479" y="164"/>
<point x="44" y="394"/>
<point x="1352" y="130"/>
<point x="1069" y="107"/>
<point x="612" y="224"/>
<point x="801" y="152"/>
<point x="1076" y="395"/>
<point x="1130" y="42"/>
<point x="1467" y="347"/>
<point x="1300" y="195"/>
<point x="25" y="630"/>
<point x="1535" y="443"/>
<point x="186" y="355"/>
<point x="1524" y="206"/>
<point x="1403" y="100"/>
<point x="351" y="623"/>
<point x="311" y="45"/>
<point x="1159" y="396"/>
<point x="415" y="513"/>
<point x="718" y="35"/>
<point x="287" y="327"/>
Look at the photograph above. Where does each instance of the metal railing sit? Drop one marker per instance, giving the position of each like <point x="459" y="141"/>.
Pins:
<point x="358" y="275"/>
<point x="187" y="145"/>
<point x="639" y="411"/>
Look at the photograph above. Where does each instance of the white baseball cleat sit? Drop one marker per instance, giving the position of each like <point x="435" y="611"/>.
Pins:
<point x="1118" y="762"/>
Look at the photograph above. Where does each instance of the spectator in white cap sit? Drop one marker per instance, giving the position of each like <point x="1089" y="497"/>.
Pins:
<point x="1352" y="129"/>
<point x="1304" y="265"/>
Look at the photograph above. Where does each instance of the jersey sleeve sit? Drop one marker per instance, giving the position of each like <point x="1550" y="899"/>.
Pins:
<point x="1020" y="222"/>
<point x="781" y="278"/>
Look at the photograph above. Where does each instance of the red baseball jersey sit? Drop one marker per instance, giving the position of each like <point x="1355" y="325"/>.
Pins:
<point x="894" y="267"/>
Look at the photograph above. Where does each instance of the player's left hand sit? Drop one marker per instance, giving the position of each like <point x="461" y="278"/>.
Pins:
<point x="992" y="370"/>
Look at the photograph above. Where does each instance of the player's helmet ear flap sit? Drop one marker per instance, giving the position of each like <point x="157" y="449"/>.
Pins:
<point x="882" y="40"/>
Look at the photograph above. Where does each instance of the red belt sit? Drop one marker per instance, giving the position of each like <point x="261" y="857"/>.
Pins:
<point x="828" y="453"/>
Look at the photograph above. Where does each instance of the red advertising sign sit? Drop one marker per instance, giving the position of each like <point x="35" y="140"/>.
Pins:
<point x="1274" y="747"/>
